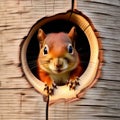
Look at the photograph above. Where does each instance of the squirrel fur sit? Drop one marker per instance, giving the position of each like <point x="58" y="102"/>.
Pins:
<point x="58" y="62"/>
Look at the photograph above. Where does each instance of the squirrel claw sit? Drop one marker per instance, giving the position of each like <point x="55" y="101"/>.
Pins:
<point x="50" y="89"/>
<point x="73" y="83"/>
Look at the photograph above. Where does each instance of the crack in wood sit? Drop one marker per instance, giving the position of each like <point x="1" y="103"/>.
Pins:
<point x="108" y="116"/>
<point x="0" y="83"/>
<point x="21" y="100"/>
<point x="101" y="13"/>
<point x="17" y="77"/>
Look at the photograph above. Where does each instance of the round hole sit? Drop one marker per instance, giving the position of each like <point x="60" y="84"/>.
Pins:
<point x="86" y="45"/>
<point x="81" y="43"/>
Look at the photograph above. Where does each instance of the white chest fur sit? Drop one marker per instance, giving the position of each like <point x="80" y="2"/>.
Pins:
<point x="60" y="79"/>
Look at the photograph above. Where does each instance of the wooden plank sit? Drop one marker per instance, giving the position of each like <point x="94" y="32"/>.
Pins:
<point x="17" y="104"/>
<point x="114" y="55"/>
<point x="17" y="18"/>
<point x="20" y="104"/>
<point x="18" y="99"/>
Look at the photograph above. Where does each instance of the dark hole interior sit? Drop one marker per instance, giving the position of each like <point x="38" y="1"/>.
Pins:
<point x="82" y="44"/>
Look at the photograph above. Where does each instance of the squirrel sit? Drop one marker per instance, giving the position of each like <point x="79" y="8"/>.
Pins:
<point x="58" y="61"/>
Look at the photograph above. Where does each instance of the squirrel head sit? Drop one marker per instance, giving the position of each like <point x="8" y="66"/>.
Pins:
<point x="57" y="52"/>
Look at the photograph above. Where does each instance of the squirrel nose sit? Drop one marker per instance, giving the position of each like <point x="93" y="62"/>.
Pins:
<point x="58" y="63"/>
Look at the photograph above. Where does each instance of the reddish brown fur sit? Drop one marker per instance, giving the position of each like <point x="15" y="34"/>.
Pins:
<point x="57" y="52"/>
<point x="45" y="77"/>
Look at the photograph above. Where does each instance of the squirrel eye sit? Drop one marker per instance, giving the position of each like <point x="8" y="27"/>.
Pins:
<point x="45" y="50"/>
<point x="70" y="49"/>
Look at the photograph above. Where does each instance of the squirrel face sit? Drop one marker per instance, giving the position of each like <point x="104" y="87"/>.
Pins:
<point x="57" y="53"/>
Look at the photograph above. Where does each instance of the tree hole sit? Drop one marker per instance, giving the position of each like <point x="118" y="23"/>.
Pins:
<point x="82" y="44"/>
<point x="87" y="44"/>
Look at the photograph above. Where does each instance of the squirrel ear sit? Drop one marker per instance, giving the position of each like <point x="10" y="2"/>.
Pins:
<point x="41" y="36"/>
<point x="72" y="34"/>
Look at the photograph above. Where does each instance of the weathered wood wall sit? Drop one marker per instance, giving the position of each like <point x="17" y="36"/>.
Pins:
<point x="19" y="100"/>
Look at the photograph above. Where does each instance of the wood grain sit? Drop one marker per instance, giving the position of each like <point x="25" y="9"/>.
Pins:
<point x="18" y="99"/>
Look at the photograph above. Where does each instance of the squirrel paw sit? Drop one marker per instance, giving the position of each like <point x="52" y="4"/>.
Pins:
<point x="73" y="83"/>
<point x="50" y="89"/>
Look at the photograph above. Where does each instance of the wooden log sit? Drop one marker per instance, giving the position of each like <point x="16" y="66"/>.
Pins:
<point x="18" y="99"/>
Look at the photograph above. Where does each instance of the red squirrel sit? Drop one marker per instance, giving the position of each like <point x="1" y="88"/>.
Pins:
<point x="58" y="61"/>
